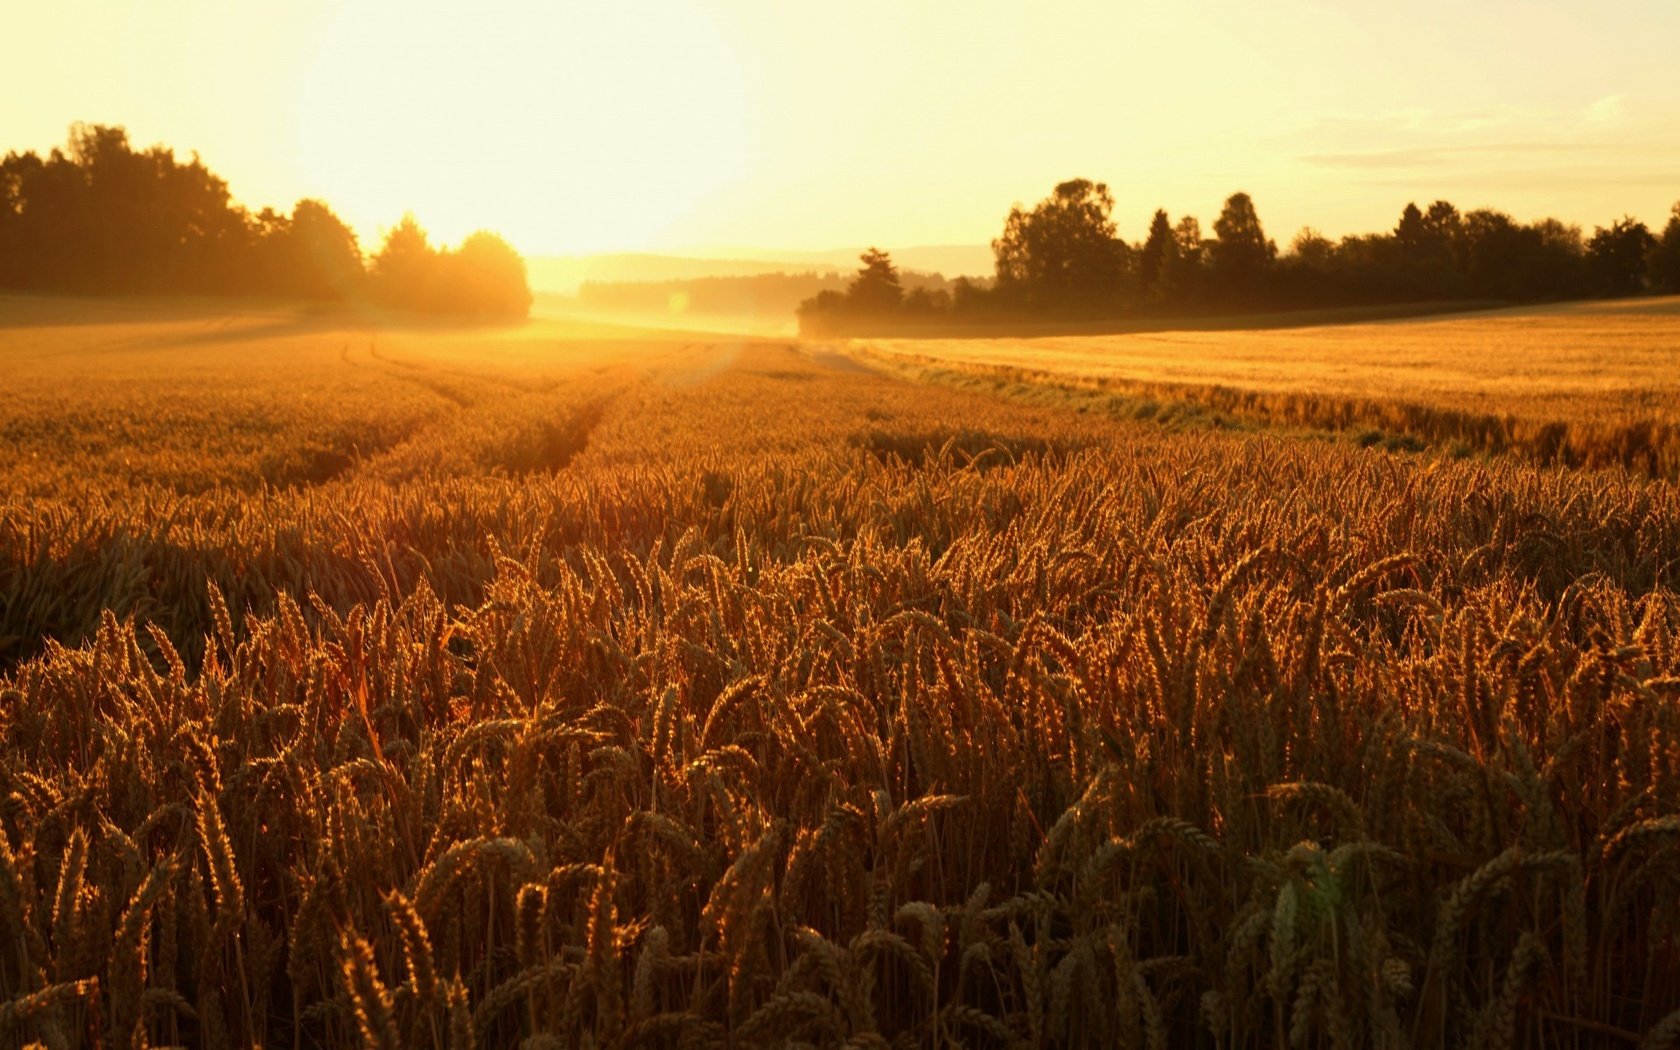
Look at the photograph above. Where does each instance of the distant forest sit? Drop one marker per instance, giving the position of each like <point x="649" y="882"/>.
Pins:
<point x="100" y="217"/>
<point x="766" y="295"/>
<point x="1061" y="260"/>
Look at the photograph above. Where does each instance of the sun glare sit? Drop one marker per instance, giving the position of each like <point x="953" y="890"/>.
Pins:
<point x="567" y="129"/>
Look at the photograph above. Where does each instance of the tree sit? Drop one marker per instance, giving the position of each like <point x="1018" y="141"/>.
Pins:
<point x="1240" y="253"/>
<point x="1411" y="232"/>
<point x="1663" y="261"/>
<point x="484" y="277"/>
<point x="1492" y="245"/>
<point x="967" y="297"/>
<point x="876" y="288"/>
<point x="1063" y="254"/>
<point x="1554" y="262"/>
<point x="103" y="217"/>
<point x="1415" y="262"/>
<point x="818" y="314"/>
<point x="1616" y="256"/>
<point x="1438" y="268"/>
<point x="1184" y="267"/>
<point x="875" y="300"/>
<point x="405" y="267"/>
<point x="927" y="301"/>
<point x="310" y="254"/>
<point x="326" y="257"/>
<point x="1506" y="260"/>
<point x="99" y="216"/>
<point x="1309" y="273"/>
<point x="1188" y="234"/>
<point x="1442" y="226"/>
<point x="26" y="242"/>
<point x="1313" y="249"/>
<point x="1153" y="259"/>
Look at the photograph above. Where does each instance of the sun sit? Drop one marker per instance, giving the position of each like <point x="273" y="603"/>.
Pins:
<point x="567" y="128"/>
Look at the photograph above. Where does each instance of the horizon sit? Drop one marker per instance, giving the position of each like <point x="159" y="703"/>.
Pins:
<point x="736" y="128"/>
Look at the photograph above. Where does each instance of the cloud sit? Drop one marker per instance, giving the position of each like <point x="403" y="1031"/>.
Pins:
<point x="1607" y="110"/>
<point x="1664" y="177"/>
<point x="1436" y="157"/>
<point x="1612" y="138"/>
<point x="1375" y="159"/>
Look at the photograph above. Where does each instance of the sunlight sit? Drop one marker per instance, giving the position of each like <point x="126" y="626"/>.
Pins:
<point x="569" y="129"/>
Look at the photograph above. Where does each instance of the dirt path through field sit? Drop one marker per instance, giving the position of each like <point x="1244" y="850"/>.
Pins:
<point x="826" y="356"/>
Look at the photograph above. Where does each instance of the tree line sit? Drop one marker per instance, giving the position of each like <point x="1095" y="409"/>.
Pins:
<point x="101" y="217"/>
<point x="1062" y="259"/>
<point x="767" y="295"/>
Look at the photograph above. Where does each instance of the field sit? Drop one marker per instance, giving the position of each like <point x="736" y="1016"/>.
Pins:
<point x="555" y="685"/>
<point x="1580" y="383"/>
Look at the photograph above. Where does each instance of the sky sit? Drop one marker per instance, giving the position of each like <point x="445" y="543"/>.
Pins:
<point x="710" y="126"/>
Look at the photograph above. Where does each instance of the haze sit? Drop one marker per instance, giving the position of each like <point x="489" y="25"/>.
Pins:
<point x="691" y="127"/>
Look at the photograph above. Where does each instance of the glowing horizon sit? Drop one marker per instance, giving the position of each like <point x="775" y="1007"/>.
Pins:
<point x="743" y="125"/>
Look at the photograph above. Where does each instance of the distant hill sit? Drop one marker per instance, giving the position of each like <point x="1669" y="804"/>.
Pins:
<point x="951" y="260"/>
<point x="758" y="303"/>
<point x="565" y="274"/>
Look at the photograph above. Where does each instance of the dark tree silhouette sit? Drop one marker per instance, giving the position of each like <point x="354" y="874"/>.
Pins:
<point x="157" y="225"/>
<point x="1307" y="269"/>
<point x="876" y="288"/>
<point x="824" y="314"/>
<point x="1184" y="274"/>
<point x="1559" y="262"/>
<point x="310" y="254"/>
<point x="1616" y="257"/>
<point x="1505" y="260"/>
<point x="486" y="277"/>
<point x="326" y="260"/>
<point x="405" y="268"/>
<point x="103" y="217"/>
<point x="970" y="297"/>
<point x="100" y="216"/>
<point x="1153" y="260"/>
<point x="1663" y="260"/>
<point x="1411" y="233"/>
<point x="925" y="302"/>
<point x="1062" y="260"/>
<point x="1063" y="254"/>
<point x="1493" y="245"/>
<point x="1314" y="250"/>
<point x="879" y="299"/>
<point x="1415" y="262"/>
<point x="1442" y="227"/>
<point x="1240" y="254"/>
<point x="24" y="192"/>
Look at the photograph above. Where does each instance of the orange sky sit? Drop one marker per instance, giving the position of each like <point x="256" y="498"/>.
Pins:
<point x="696" y="126"/>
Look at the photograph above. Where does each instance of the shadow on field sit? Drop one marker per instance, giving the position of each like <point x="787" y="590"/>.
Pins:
<point x="551" y="445"/>
<point x="979" y="449"/>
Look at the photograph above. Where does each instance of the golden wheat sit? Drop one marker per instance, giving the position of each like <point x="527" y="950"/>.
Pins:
<point x="724" y="697"/>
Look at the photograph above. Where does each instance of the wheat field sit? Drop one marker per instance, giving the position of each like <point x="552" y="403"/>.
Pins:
<point x="1584" y="384"/>
<point x="551" y="687"/>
